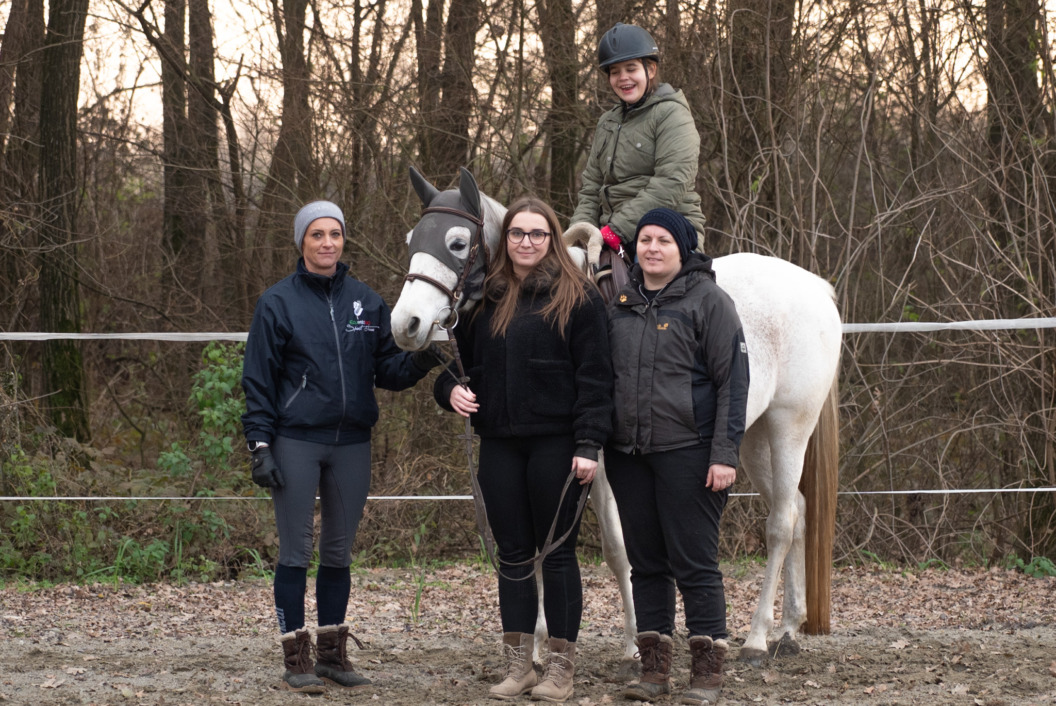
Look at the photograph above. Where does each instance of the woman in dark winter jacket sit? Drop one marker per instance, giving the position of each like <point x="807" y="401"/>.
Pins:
<point x="540" y="397"/>
<point x="681" y="392"/>
<point x="318" y="345"/>
<point x="645" y="149"/>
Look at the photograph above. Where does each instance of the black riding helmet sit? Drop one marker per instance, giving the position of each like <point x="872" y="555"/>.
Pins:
<point x="626" y="42"/>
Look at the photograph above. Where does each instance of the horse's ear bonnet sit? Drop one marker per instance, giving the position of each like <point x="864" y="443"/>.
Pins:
<point x="428" y="235"/>
<point x="469" y="192"/>
<point x="426" y="191"/>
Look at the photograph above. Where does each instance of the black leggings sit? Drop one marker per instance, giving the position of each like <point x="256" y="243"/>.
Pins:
<point x="521" y="481"/>
<point x="670" y="525"/>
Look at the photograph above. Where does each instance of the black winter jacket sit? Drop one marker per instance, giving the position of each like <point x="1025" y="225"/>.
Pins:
<point x="317" y="347"/>
<point x="533" y="381"/>
<point x="681" y="366"/>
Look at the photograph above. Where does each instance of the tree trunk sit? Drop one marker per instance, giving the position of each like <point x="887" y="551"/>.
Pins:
<point x="174" y="130"/>
<point x="59" y="297"/>
<point x="558" y="30"/>
<point x="757" y="88"/>
<point x="20" y="78"/>
<point x="451" y="134"/>
<point x="292" y="177"/>
<point x="205" y="158"/>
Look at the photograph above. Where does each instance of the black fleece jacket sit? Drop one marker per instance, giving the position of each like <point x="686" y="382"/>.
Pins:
<point x="535" y="381"/>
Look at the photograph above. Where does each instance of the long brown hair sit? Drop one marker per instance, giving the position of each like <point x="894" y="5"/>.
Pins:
<point x="504" y="287"/>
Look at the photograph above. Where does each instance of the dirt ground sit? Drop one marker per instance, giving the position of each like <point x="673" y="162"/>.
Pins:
<point x="931" y="637"/>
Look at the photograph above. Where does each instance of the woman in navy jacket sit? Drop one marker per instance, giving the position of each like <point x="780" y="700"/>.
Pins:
<point x="540" y="397"/>
<point x="319" y="344"/>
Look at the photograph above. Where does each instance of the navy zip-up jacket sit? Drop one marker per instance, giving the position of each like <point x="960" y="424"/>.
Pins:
<point x="317" y="347"/>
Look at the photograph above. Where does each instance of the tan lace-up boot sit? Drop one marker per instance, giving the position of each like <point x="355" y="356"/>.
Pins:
<point x="520" y="673"/>
<point x="556" y="685"/>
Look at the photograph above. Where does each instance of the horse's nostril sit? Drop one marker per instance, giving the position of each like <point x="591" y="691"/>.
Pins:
<point x="412" y="325"/>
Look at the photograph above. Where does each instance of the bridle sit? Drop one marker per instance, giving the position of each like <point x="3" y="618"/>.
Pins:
<point x="476" y="244"/>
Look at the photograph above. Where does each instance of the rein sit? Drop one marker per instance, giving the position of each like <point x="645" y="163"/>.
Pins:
<point x="454" y="296"/>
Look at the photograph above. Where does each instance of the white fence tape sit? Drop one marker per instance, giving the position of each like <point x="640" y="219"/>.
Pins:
<point x="893" y="327"/>
<point x="116" y="498"/>
<point x="901" y="326"/>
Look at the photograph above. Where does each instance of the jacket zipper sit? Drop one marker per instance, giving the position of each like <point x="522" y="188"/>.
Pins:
<point x="612" y="163"/>
<point x="304" y="384"/>
<point x="340" y="367"/>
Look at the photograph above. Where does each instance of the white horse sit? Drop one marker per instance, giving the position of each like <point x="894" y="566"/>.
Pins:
<point x="789" y="451"/>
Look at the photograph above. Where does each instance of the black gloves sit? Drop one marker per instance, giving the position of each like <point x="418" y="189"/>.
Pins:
<point x="266" y="472"/>
<point x="426" y="360"/>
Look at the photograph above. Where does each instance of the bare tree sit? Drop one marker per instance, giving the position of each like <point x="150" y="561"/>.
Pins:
<point x="59" y="293"/>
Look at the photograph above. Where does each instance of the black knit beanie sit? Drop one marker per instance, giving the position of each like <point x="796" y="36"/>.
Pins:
<point x="674" y="223"/>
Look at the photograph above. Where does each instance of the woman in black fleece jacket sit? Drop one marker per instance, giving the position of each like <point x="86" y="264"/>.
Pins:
<point x="540" y="397"/>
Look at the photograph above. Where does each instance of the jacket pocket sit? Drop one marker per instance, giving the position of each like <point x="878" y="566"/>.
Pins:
<point x="296" y="393"/>
<point x="551" y="388"/>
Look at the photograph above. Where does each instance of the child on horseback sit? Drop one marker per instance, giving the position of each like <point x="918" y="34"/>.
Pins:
<point x="645" y="148"/>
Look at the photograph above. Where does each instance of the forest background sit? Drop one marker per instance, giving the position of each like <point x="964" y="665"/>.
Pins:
<point x="152" y="156"/>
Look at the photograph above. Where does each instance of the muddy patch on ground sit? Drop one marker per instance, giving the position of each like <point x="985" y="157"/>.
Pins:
<point x="432" y="636"/>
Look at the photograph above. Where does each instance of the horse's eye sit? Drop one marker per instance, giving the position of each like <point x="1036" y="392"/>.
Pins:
<point x="457" y="246"/>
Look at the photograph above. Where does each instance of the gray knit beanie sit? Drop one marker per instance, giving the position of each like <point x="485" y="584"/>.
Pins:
<point x="309" y="212"/>
<point x="675" y="223"/>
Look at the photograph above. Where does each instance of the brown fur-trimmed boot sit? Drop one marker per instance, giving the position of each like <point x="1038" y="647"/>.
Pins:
<point x="705" y="675"/>
<point x="517" y="648"/>
<point x="333" y="666"/>
<point x="654" y="650"/>
<point x="556" y="685"/>
<point x="297" y="656"/>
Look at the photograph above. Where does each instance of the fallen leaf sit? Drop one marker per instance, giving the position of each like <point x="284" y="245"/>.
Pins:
<point x="769" y="676"/>
<point x="53" y="683"/>
<point x="1052" y="668"/>
<point x="899" y="645"/>
<point x="959" y="690"/>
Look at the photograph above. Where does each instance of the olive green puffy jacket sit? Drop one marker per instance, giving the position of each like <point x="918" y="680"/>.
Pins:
<point x="643" y="160"/>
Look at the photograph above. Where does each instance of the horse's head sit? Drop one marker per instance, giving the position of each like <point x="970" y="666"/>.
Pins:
<point x="458" y="226"/>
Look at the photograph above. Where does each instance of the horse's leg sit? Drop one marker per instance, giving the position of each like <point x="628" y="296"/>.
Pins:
<point x="755" y="461"/>
<point x="616" y="557"/>
<point x="784" y="523"/>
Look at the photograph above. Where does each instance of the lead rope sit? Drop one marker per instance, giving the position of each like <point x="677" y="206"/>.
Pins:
<point x="483" y="527"/>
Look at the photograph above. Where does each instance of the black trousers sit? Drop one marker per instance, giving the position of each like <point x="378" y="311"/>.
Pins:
<point x="671" y="529"/>
<point x="521" y="480"/>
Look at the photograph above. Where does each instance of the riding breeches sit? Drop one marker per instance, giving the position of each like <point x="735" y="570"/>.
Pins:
<point x="670" y="523"/>
<point x="521" y="480"/>
<point x="341" y="475"/>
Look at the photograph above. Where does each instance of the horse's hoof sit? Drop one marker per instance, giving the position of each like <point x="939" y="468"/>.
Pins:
<point x="785" y="647"/>
<point x="753" y="656"/>
<point x="630" y="669"/>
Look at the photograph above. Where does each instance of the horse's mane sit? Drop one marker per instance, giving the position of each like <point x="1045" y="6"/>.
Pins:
<point x="494" y="212"/>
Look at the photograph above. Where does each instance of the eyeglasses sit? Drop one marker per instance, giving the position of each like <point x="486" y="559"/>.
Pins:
<point x="537" y="237"/>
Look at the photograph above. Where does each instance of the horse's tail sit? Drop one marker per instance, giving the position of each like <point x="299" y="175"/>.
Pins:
<point x="818" y="485"/>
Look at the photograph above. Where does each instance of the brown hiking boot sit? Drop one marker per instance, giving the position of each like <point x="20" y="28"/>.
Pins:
<point x="556" y="685"/>
<point x="333" y="665"/>
<point x="297" y="656"/>
<point x="517" y="648"/>
<point x="654" y="650"/>
<point x="705" y="675"/>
